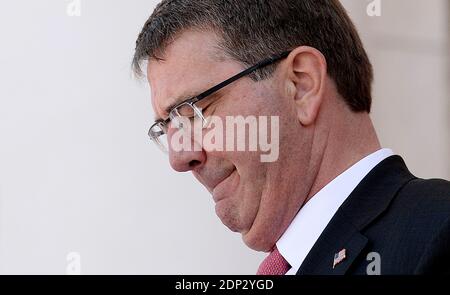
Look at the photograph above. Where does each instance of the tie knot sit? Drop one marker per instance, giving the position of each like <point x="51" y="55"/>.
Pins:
<point x="274" y="264"/>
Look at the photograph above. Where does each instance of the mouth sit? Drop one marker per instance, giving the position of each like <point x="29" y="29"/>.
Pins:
<point x="219" y="192"/>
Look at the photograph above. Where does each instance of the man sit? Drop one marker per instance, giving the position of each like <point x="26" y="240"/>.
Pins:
<point x="332" y="201"/>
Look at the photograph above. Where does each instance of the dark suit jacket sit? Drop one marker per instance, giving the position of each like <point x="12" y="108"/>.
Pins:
<point x="406" y="220"/>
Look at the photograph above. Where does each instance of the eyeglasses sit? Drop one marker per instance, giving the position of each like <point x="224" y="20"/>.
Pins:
<point x="189" y="110"/>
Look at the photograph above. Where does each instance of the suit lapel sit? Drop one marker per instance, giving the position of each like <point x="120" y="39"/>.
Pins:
<point x="338" y="236"/>
<point x="369" y="199"/>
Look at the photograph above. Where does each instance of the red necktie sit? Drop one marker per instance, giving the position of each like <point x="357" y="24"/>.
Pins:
<point x="274" y="264"/>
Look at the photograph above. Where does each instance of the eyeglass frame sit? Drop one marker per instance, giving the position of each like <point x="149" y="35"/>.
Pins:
<point x="163" y="123"/>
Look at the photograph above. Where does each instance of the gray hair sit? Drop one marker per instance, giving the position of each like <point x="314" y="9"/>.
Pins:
<point x="252" y="30"/>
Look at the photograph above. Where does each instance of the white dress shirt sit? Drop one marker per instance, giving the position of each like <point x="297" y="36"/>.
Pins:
<point x="309" y="223"/>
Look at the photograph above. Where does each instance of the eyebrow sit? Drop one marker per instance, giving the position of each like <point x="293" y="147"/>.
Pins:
<point x="183" y="98"/>
<point x="175" y="102"/>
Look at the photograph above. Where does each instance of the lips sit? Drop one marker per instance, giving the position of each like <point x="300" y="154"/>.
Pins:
<point x="216" y="181"/>
<point x="220" y="190"/>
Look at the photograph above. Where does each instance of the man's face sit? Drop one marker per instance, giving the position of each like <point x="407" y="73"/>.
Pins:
<point x="252" y="197"/>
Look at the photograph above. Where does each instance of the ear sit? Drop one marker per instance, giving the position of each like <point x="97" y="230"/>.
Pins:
<point x="306" y="78"/>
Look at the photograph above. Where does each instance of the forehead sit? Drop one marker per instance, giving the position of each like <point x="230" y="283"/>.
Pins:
<point x="191" y="64"/>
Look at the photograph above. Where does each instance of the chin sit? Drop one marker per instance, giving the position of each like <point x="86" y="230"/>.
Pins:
<point x="258" y="242"/>
<point x="228" y="215"/>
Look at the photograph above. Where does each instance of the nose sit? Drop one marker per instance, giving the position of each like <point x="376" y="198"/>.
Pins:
<point x="185" y="160"/>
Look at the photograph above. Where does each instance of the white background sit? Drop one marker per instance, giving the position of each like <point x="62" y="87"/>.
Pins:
<point x="77" y="172"/>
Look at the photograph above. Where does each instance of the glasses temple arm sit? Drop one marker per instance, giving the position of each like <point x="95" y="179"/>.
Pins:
<point x="246" y="72"/>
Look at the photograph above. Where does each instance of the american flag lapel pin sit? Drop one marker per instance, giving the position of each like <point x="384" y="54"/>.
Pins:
<point x="339" y="257"/>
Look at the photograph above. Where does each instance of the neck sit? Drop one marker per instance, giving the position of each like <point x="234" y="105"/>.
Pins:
<point x="343" y="147"/>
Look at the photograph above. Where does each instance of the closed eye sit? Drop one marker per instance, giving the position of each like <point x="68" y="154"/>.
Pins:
<point x="208" y="102"/>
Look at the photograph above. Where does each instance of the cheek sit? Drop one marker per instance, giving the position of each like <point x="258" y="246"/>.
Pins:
<point x="252" y="189"/>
